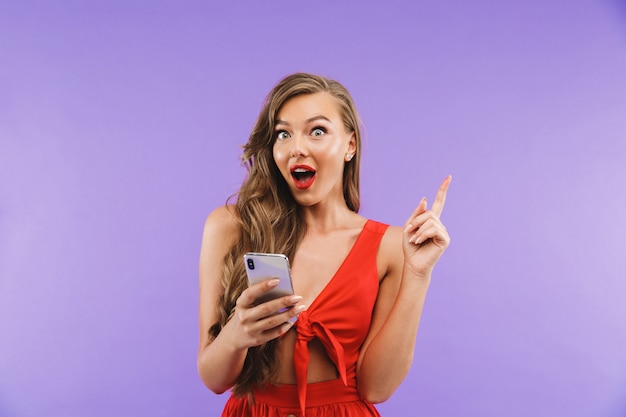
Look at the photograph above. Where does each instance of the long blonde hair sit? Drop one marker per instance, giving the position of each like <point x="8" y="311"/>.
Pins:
<point x="269" y="217"/>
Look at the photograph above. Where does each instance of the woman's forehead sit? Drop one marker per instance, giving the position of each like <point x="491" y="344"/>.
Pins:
<point x="309" y="106"/>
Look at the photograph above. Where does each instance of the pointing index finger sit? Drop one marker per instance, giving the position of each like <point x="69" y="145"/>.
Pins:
<point x="440" y="199"/>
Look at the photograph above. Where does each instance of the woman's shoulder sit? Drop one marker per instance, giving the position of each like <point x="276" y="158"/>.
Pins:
<point x="225" y="213"/>
<point x="392" y="239"/>
<point x="222" y="222"/>
<point x="390" y="255"/>
<point x="391" y="234"/>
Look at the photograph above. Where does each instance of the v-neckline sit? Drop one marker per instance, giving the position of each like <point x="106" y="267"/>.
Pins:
<point x="343" y="263"/>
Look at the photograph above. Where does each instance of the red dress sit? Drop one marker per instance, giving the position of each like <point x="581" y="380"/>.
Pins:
<point x="340" y="318"/>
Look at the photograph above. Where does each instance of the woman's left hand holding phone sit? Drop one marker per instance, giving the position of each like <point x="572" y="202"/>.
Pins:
<point x="260" y="323"/>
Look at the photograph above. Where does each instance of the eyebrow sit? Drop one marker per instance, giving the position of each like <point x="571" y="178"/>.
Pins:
<point x="307" y="121"/>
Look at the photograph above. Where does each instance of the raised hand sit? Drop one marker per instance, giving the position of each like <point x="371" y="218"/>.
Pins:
<point x="425" y="238"/>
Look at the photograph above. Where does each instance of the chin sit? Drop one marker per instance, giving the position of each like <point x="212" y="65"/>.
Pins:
<point x="305" y="201"/>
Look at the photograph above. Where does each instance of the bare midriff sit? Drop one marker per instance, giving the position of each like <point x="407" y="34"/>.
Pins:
<point x="321" y="368"/>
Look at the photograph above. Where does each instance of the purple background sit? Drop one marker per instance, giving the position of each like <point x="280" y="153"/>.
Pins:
<point x="120" y="123"/>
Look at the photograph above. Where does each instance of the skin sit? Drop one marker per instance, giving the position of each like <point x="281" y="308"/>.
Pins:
<point x="310" y="131"/>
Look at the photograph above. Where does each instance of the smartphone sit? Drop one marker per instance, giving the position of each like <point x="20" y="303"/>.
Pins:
<point x="263" y="266"/>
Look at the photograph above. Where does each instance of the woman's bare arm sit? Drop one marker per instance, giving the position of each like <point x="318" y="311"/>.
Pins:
<point x="411" y="254"/>
<point x="220" y="362"/>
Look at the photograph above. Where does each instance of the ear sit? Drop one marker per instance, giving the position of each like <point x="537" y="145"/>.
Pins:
<point x="351" y="149"/>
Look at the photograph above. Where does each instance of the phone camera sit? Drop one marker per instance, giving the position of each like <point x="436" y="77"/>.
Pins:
<point x="250" y="264"/>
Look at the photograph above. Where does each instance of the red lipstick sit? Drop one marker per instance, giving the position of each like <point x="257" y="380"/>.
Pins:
<point x="303" y="176"/>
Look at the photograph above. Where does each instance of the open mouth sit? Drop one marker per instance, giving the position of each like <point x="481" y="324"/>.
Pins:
<point x="303" y="176"/>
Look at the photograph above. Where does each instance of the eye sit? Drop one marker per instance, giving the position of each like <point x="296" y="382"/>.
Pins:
<point x="282" y="135"/>
<point x="318" y="131"/>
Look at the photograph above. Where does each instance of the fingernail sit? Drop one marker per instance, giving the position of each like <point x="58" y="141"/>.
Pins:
<point x="295" y="298"/>
<point x="273" y="282"/>
<point x="299" y="309"/>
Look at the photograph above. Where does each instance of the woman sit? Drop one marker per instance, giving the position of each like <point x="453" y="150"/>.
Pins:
<point x="360" y="285"/>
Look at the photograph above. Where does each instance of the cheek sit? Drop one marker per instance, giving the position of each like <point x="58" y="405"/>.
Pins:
<point x="276" y="153"/>
<point x="280" y="155"/>
<point x="333" y="154"/>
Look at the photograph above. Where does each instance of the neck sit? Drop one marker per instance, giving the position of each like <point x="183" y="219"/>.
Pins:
<point x="323" y="219"/>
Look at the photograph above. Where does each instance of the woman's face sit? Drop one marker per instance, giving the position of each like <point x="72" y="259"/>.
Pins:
<point x="310" y="147"/>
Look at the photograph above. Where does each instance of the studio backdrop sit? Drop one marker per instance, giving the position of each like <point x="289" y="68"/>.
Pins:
<point x="120" y="130"/>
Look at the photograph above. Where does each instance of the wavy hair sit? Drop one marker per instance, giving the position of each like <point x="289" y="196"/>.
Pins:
<point x="270" y="219"/>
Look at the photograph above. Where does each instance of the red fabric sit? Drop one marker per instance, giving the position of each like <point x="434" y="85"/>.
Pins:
<point x="340" y="318"/>
<point x="324" y="399"/>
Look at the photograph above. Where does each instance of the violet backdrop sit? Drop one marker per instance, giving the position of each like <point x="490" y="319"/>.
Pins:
<point x="120" y="126"/>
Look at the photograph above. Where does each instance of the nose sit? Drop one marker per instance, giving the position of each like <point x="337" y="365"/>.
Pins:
<point x="298" y="147"/>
